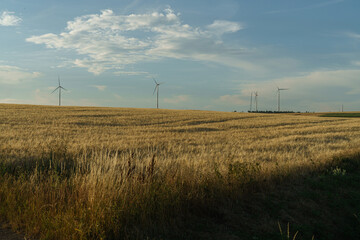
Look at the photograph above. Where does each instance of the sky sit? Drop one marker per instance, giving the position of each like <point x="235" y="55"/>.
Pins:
<point x="210" y="55"/>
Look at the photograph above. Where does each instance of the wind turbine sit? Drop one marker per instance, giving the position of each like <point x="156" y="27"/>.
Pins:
<point x="278" y="90"/>
<point x="251" y="101"/>
<point x="157" y="92"/>
<point x="256" y="100"/>
<point x="59" y="87"/>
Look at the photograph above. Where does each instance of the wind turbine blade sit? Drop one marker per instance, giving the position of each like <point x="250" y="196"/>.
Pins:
<point x="59" y="80"/>
<point x="155" y="89"/>
<point x="55" y="89"/>
<point x="63" y="88"/>
<point x="155" y="81"/>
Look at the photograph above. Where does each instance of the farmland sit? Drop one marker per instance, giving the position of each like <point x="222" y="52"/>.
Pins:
<point x="117" y="173"/>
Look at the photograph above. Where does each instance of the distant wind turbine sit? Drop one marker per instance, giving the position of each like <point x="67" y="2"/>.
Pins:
<point x="278" y="90"/>
<point x="59" y="87"/>
<point x="251" y="101"/>
<point x="157" y="92"/>
<point x="256" y="100"/>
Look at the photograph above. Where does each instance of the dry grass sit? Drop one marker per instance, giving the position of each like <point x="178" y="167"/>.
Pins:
<point x="96" y="173"/>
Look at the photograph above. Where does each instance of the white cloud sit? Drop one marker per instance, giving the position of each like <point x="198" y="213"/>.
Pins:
<point x="100" y="87"/>
<point x="353" y="35"/>
<point x="177" y="99"/>
<point x="43" y="98"/>
<point x="110" y="41"/>
<point x="132" y="73"/>
<point x="309" y="82"/>
<point x="118" y="97"/>
<point x="9" y="19"/>
<point x="39" y="97"/>
<point x="222" y="26"/>
<point x="356" y="63"/>
<point x="309" y="91"/>
<point x="11" y="100"/>
<point x="232" y="99"/>
<point x="323" y="79"/>
<point x="15" y="75"/>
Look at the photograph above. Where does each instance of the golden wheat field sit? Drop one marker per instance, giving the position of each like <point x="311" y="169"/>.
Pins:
<point x="117" y="173"/>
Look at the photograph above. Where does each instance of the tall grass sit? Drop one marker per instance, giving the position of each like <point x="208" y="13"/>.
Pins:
<point x="104" y="173"/>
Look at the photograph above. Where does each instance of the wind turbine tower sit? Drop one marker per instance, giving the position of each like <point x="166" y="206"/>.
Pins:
<point x="256" y="101"/>
<point x="157" y="92"/>
<point x="278" y="90"/>
<point x="251" y="101"/>
<point x="59" y="88"/>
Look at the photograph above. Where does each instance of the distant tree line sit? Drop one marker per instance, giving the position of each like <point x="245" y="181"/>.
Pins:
<point x="272" y="112"/>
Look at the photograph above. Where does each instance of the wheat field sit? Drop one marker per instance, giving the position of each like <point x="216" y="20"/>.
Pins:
<point x="117" y="173"/>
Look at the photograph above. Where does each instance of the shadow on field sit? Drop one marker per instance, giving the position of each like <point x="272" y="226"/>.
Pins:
<point x="7" y="234"/>
<point x="324" y="204"/>
<point x="195" y="130"/>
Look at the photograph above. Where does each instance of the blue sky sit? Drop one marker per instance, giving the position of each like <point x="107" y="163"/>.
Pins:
<point x="210" y="54"/>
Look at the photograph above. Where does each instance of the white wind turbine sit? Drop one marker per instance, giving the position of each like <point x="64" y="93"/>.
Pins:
<point x="157" y="92"/>
<point x="59" y="87"/>
<point x="256" y="101"/>
<point x="251" y="101"/>
<point x="278" y="90"/>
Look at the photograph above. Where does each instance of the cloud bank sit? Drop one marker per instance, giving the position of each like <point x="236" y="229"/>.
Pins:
<point x="110" y="41"/>
<point x="9" y="19"/>
<point x="311" y="83"/>
<point x="308" y="90"/>
<point x="100" y="87"/>
<point x="15" y="75"/>
<point x="177" y="99"/>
